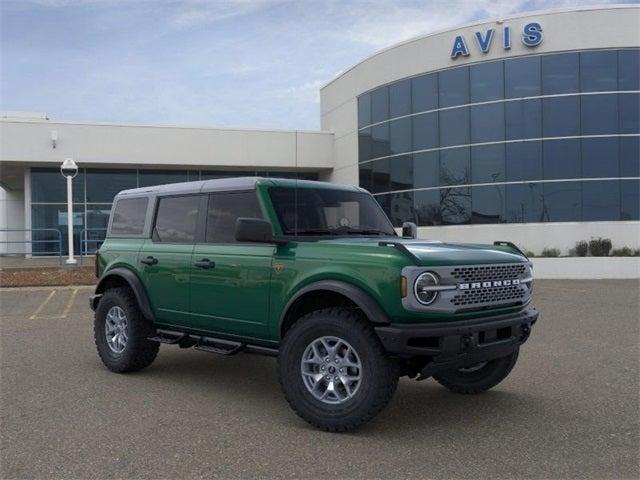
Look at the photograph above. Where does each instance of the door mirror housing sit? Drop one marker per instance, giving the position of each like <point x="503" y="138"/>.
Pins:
<point x="254" y="230"/>
<point x="409" y="230"/>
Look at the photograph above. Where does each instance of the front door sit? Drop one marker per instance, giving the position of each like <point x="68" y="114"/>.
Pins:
<point x="165" y="259"/>
<point x="230" y="281"/>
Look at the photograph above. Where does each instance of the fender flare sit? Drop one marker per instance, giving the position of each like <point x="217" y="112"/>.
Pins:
<point x="134" y="283"/>
<point x="363" y="300"/>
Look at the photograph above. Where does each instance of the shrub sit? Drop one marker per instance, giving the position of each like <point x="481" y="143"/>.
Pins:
<point x="623" y="252"/>
<point x="581" y="249"/>
<point x="530" y="254"/>
<point x="550" y="252"/>
<point x="600" y="247"/>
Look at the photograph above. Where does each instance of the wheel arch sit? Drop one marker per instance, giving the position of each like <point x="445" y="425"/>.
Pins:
<point x="124" y="277"/>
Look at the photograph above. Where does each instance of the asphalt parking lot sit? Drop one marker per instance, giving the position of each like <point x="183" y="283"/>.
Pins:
<point x="569" y="409"/>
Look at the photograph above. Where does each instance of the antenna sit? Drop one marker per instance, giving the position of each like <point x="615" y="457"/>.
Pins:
<point x="295" y="195"/>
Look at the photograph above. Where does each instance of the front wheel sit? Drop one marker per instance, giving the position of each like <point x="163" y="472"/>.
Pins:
<point x="478" y="378"/>
<point x="333" y="370"/>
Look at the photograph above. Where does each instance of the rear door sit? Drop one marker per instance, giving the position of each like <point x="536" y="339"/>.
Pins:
<point x="230" y="281"/>
<point x="165" y="259"/>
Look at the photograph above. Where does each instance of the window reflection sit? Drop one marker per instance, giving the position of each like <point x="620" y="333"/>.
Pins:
<point x="402" y="172"/>
<point x="600" y="201"/>
<point x="487" y="123"/>
<point x="380" y="105"/>
<point x="400" y="98"/>
<point x="455" y="167"/>
<point x="599" y="114"/>
<point x="630" y="200"/>
<point x="524" y="203"/>
<point x="455" y="205"/>
<point x="487" y="81"/>
<point x="454" y="127"/>
<point x="561" y="116"/>
<point x="424" y="91"/>
<point x="560" y="73"/>
<point x="598" y="71"/>
<point x="427" y="207"/>
<point x="523" y="119"/>
<point x="487" y="164"/>
<point x="523" y="161"/>
<point x="400" y="135"/>
<point x="561" y="202"/>
<point x="488" y="204"/>
<point x="453" y="87"/>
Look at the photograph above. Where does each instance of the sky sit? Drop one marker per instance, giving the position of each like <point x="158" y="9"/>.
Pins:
<point x="218" y="63"/>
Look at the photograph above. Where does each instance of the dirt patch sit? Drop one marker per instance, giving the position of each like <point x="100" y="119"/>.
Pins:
<point x="47" y="276"/>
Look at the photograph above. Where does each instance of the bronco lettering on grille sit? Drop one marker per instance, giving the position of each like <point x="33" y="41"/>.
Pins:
<point x="488" y="284"/>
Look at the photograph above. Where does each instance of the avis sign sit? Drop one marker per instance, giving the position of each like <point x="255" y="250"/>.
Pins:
<point x="531" y="37"/>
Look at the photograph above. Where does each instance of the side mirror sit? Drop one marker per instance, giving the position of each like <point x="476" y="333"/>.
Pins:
<point x="254" y="230"/>
<point x="409" y="230"/>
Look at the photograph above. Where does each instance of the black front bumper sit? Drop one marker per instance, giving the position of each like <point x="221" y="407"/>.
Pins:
<point x="458" y="344"/>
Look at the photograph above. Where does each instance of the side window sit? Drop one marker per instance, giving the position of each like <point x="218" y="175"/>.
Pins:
<point x="177" y="219"/>
<point x="128" y="216"/>
<point x="224" y="210"/>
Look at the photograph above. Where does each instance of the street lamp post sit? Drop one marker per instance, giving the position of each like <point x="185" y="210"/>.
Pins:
<point x="69" y="169"/>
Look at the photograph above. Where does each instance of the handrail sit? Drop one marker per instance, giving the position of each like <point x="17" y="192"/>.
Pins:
<point x="85" y="241"/>
<point x="57" y="241"/>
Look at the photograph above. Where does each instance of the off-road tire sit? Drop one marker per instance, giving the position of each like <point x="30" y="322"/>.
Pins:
<point x="490" y="375"/>
<point x="379" y="372"/>
<point x="138" y="352"/>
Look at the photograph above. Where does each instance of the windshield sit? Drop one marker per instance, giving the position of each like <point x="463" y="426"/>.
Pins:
<point x="328" y="212"/>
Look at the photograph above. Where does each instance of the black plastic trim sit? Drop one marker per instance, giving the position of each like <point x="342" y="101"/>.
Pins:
<point x="134" y="283"/>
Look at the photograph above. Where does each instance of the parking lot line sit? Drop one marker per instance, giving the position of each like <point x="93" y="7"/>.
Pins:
<point x="42" y="305"/>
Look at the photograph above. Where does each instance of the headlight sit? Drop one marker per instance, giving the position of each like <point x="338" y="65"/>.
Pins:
<point x="423" y="288"/>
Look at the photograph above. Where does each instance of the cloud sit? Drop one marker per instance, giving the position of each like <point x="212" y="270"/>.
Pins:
<point x="200" y="12"/>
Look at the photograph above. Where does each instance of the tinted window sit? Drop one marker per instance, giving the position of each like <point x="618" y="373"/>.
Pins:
<point x="380" y="140"/>
<point x="629" y="70"/>
<point x="561" y="116"/>
<point x="48" y="185"/>
<point x="487" y="81"/>
<point x="487" y="164"/>
<point x="561" y="159"/>
<point x="630" y="200"/>
<point x="128" y="216"/>
<point x="600" y="201"/>
<point x="487" y="123"/>
<point x="365" y="175"/>
<point x="176" y="219"/>
<point x="562" y="202"/>
<point x="427" y="207"/>
<point x="454" y="166"/>
<point x="455" y="205"/>
<point x="629" y="113"/>
<point x="454" y="127"/>
<point x="53" y="216"/>
<point x="400" y="98"/>
<point x="161" y="177"/>
<point x="454" y="87"/>
<point x="522" y="77"/>
<point x="523" y="161"/>
<point x="600" y="157"/>
<point x="224" y="209"/>
<point x="402" y="172"/>
<point x="401" y="208"/>
<point x="104" y="185"/>
<point x="426" y="169"/>
<point x="365" y="145"/>
<point x="560" y="73"/>
<point x="380" y="105"/>
<point x="400" y="135"/>
<point x="381" y="175"/>
<point x="599" y="71"/>
<point x="487" y="204"/>
<point x="364" y="110"/>
<point x="630" y="157"/>
<point x="599" y="114"/>
<point x="425" y="131"/>
<point x="524" y="203"/>
<point x="523" y="119"/>
<point x="424" y="92"/>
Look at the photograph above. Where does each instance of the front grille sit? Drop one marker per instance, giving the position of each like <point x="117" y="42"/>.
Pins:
<point x="515" y="293"/>
<point x="488" y="272"/>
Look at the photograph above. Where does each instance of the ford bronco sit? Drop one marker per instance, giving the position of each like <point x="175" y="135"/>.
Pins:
<point x="315" y="274"/>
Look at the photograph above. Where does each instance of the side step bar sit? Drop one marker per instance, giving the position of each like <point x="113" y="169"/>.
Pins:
<point x="220" y="346"/>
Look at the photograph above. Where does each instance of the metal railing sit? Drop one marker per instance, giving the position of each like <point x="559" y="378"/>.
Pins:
<point x="86" y="240"/>
<point x="57" y="241"/>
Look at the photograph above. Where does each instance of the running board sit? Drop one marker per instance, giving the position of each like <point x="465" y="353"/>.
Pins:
<point x="220" y="346"/>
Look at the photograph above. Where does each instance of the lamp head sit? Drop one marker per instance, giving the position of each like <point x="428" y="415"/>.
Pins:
<point x="69" y="168"/>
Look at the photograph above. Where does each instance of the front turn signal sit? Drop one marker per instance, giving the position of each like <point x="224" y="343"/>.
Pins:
<point x="403" y="286"/>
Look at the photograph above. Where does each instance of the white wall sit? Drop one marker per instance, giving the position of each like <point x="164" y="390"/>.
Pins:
<point x="583" y="268"/>
<point x="11" y="217"/>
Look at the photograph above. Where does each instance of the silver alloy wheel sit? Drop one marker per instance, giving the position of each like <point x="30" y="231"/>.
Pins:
<point x="473" y="368"/>
<point x="115" y="329"/>
<point x="331" y="370"/>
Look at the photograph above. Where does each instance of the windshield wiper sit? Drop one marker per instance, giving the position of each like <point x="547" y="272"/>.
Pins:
<point x="317" y="231"/>
<point x="363" y="231"/>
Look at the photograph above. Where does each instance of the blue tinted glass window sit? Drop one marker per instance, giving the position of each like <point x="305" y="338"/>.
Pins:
<point x="400" y="135"/>
<point x="560" y="73"/>
<point x="364" y="110"/>
<point x="599" y="71"/>
<point x="427" y="207"/>
<point x="401" y="208"/>
<point x="561" y="159"/>
<point x="630" y="157"/>
<point x="400" y="98"/>
<point x="426" y="169"/>
<point x="455" y="205"/>
<point x="425" y="131"/>
<point x="600" y="157"/>
<point x="103" y="185"/>
<point x="629" y="113"/>
<point x="487" y="164"/>
<point x="630" y="200"/>
<point x="487" y="123"/>
<point x="148" y="178"/>
<point x="380" y="105"/>
<point x="524" y="203"/>
<point x="523" y="119"/>
<point x="365" y="146"/>
<point x="402" y="172"/>
<point x="487" y="81"/>
<point x="454" y="127"/>
<point x="561" y="116"/>
<point x="49" y="186"/>
<point x="380" y="140"/>
<point x="522" y="77"/>
<point x="384" y="202"/>
<point x="365" y="171"/>
<point x="455" y="166"/>
<point x="599" y="114"/>
<point x="488" y="204"/>
<point x="424" y="91"/>
<point x="562" y="202"/>
<point x="454" y="87"/>
<point x="629" y="70"/>
<point x="54" y="216"/>
<point x="381" y="175"/>
<point x="523" y="161"/>
<point x="600" y="201"/>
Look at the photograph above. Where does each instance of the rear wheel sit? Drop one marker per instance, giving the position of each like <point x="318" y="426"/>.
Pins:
<point x="333" y="370"/>
<point x="478" y="378"/>
<point x="120" y="332"/>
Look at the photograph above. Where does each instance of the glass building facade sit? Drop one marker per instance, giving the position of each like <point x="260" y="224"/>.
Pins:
<point x="93" y="193"/>
<point x="541" y="138"/>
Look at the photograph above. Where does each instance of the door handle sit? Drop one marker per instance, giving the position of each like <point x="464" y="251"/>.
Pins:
<point x="149" y="260"/>
<point x="205" y="263"/>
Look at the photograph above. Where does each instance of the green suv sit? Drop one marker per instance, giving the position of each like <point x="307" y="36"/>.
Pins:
<point x="315" y="274"/>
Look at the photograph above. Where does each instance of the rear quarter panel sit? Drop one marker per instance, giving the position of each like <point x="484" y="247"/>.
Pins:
<point x="120" y="252"/>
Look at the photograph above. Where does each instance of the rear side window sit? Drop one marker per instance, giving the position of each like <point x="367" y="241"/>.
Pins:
<point x="224" y="210"/>
<point x="177" y="219"/>
<point x="129" y="215"/>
